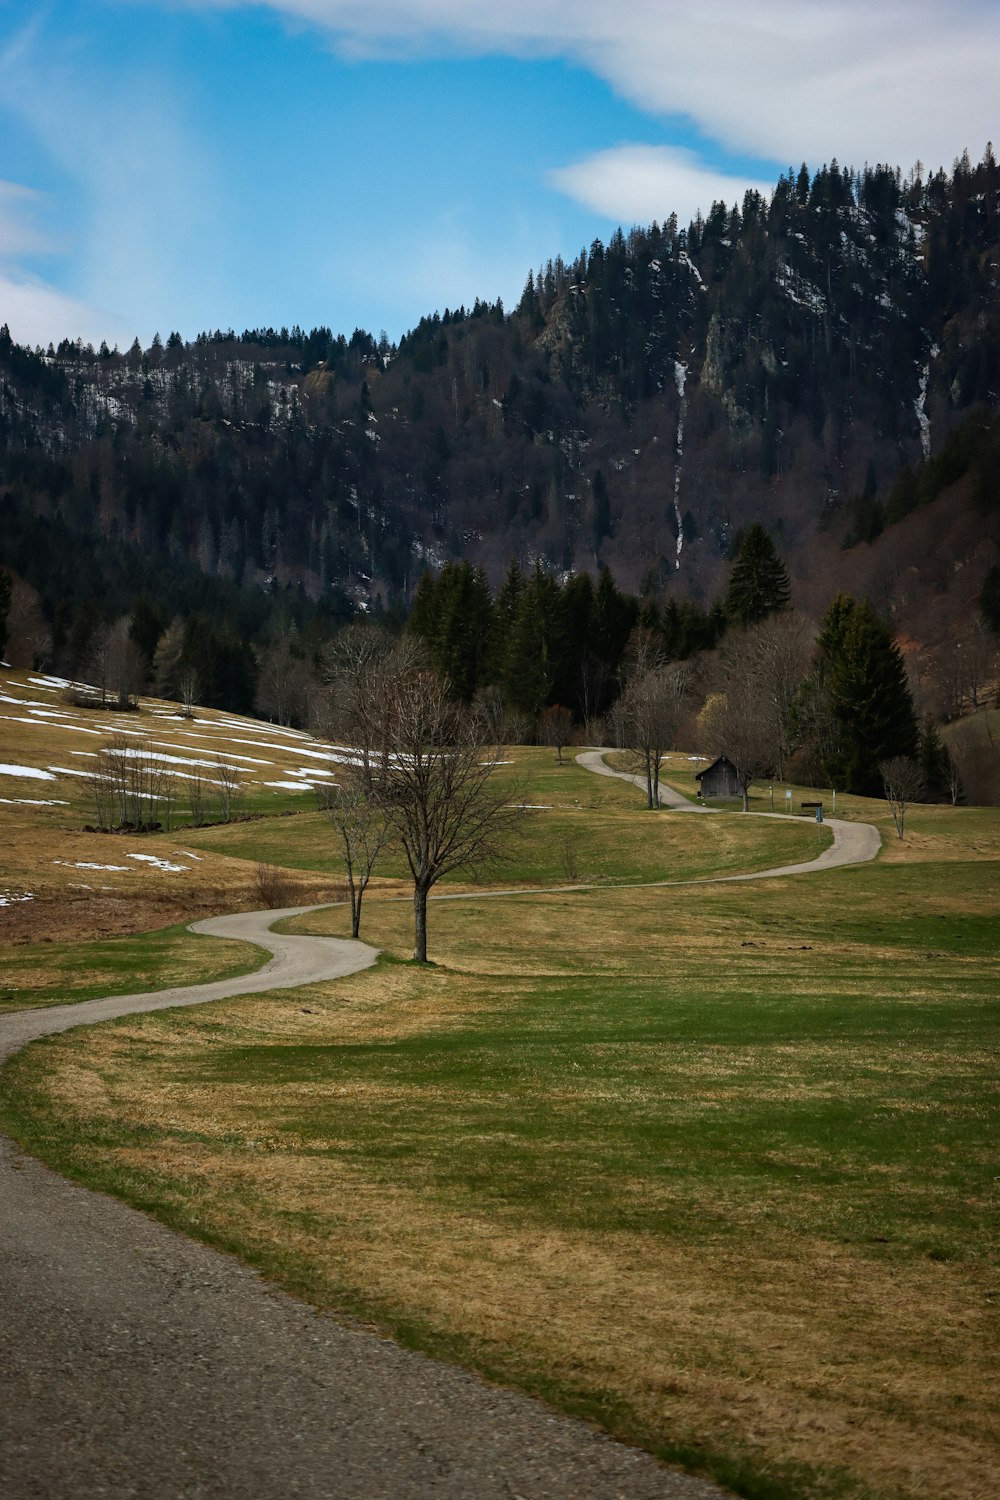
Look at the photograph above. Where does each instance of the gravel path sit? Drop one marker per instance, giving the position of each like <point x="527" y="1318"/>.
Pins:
<point x="853" y="843"/>
<point x="138" y="1365"/>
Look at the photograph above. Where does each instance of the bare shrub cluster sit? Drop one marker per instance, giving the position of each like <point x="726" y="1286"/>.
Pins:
<point x="130" y="787"/>
<point x="133" y="789"/>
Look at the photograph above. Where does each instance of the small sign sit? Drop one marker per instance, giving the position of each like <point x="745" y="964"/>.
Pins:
<point x="788" y="796"/>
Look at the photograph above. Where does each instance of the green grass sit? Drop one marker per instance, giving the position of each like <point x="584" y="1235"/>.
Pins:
<point x="581" y="827"/>
<point x="63" y="973"/>
<point x="712" y="1166"/>
<point x="589" y="1082"/>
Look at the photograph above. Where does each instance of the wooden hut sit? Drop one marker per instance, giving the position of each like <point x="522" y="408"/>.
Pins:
<point x="720" y="780"/>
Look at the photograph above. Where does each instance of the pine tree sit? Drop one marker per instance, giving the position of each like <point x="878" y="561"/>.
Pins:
<point x="613" y="616"/>
<point x="423" y="621"/>
<point x="935" y="765"/>
<point x="526" y="675"/>
<point x="464" y="627"/>
<point x="758" y="583"/>
<point x="864" y="695"/>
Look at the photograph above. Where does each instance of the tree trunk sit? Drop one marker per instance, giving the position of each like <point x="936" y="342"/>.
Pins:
<point x="355" y="913"/>
<point x="420" y="924"/>
<point x="746" y="797"/>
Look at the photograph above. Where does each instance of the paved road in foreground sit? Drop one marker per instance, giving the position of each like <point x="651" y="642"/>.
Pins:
<point x="136" y="1363"/>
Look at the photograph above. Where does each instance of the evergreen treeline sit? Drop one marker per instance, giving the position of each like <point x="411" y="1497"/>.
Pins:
<point x="813" y="341"/>
<point x="541" y="642"/>
<point x="84" y="584"/>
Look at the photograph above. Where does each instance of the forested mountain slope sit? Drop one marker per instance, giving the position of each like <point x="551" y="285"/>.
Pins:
<point x="795" y="361"/>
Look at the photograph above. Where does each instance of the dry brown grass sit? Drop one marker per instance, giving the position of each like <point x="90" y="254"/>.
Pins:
<point x="45" y="851"/>
<point x="787" y="1348"/>
<point x="763" y="1337"/>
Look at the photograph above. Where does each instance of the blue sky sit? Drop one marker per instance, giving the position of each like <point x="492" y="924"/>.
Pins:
<point x="197" y="163"/>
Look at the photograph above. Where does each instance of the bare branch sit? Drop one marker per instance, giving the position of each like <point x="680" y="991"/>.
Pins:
<point x="364" y="832"/>
<point x="901" y="780"/>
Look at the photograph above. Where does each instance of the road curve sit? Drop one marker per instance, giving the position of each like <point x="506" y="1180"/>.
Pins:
<point x="853" y="843"/>
<point x="294" y="961"/>
<point x="136" y="1364"/>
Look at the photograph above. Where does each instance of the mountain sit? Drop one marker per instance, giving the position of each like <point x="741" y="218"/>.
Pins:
<point x="803" y="361"/>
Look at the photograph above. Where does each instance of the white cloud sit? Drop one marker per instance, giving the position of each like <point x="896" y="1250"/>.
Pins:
<point x="635" y="184"/>
<point x="141" y="203"/>
<point x="34" y="310"/>
<point x="779" y="79"/>
<point x="37" y="313"/>
<point x="19" y="235"/>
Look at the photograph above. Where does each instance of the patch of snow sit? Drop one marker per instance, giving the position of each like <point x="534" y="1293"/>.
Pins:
<point x="798" y="290"/>
<point x="167" y="760"/>
<point x="34" y="801"/>
<point x="289" y="786"/>
<point x="68" y="771"/>
<point x="8" y="898"/>
<point x="680" y="377"/>
<point x="52" y="683"/>
<point x="31" y="773"/>
<point x="241" y="760"/>
<point x="685" y="260"/>
<point x="923" y="420"/>
<point x="44" y="724"/>
<point x="83" y="864"/>
<point x="23" y="702"/>
<point x="159" y="864"/>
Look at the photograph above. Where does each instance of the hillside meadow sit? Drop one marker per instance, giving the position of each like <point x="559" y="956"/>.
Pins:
<point x="711" y="1165"/>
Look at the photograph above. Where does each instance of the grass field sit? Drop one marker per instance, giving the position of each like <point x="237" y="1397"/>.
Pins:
<point x="65" y="973"/>
<point x="712" y="1165"/>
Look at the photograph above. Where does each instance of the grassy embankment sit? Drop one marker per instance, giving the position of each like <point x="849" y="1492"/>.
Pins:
<point x="710" y="1165"/>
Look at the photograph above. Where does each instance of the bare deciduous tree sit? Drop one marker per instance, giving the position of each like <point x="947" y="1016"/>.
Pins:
<point x="651" y="707"/>
<point x="282" y="681"/>
<point x="556" y="726"/>
<point x="188" y="687"/>
<point x="115" y="664"/>
<point x="779" y="648"/>
<point x="29" y="640"/>
<point x="731" y="724"/>
<point x="364" y="830"/>
<point x="748" y="718"/>
<point x="196" y="795"/>
<point x="228" y="788"/>
<point x="902" y="782"/>
<point x="435" y="783"/>
<point x="130" y="786"/>
<point x="358" y="668"/>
